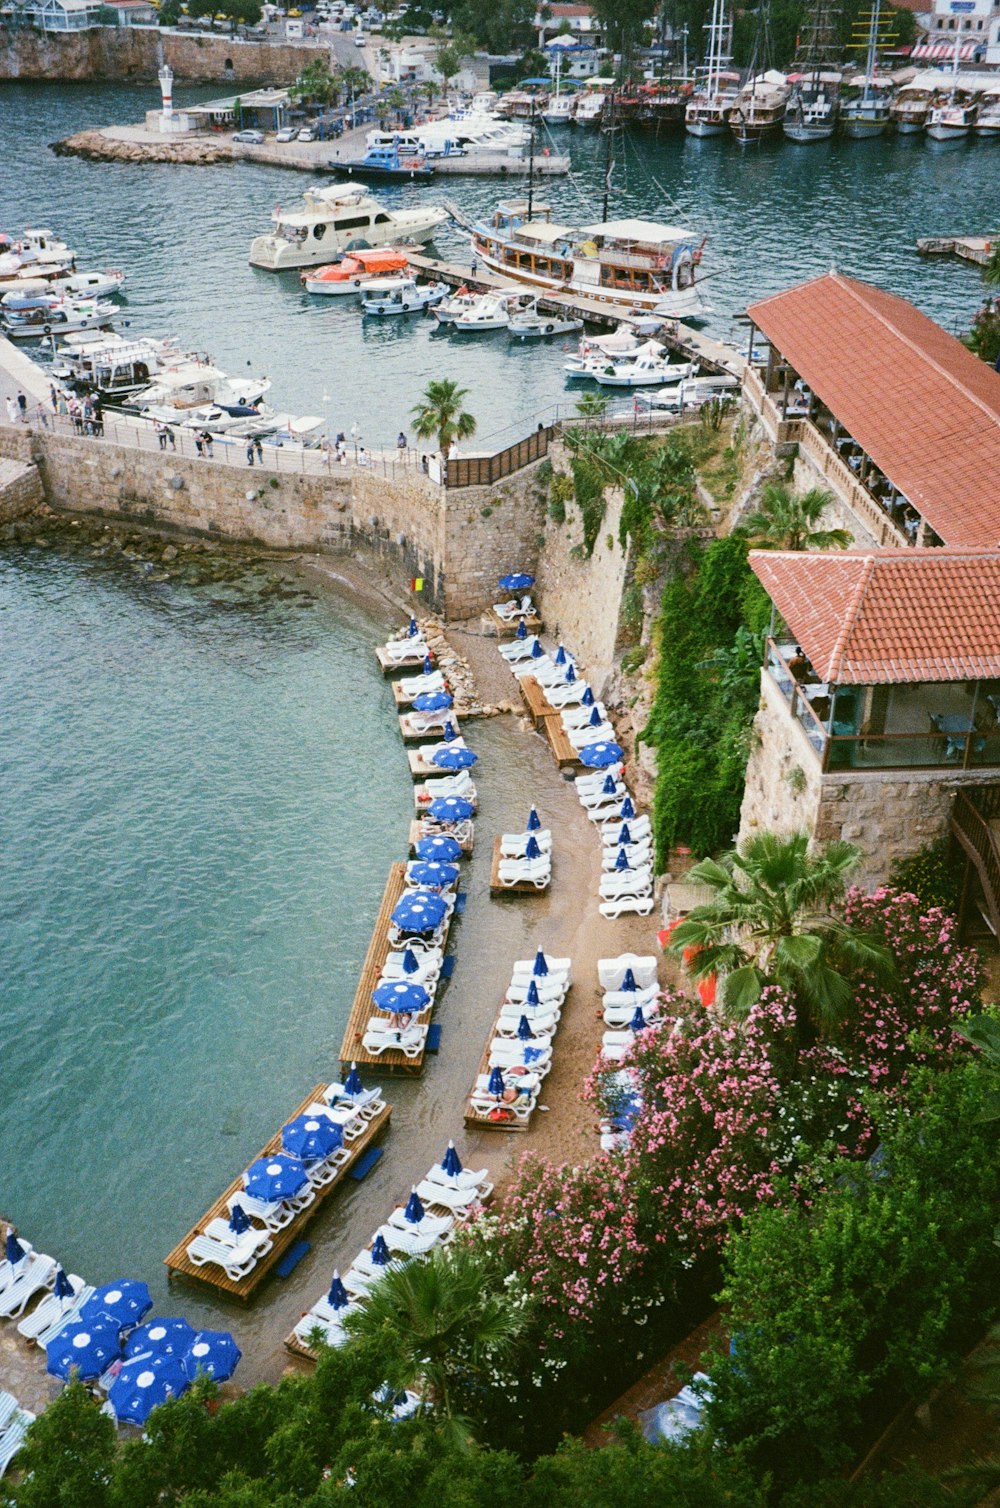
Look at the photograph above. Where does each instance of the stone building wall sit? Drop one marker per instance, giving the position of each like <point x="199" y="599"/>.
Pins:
<point x="784" y="779"/>
<point x="130" y="52"/>
<point x="20" y="489"/>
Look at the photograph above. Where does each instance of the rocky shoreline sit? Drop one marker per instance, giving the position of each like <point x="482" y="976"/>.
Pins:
<point x="96" y="146"/>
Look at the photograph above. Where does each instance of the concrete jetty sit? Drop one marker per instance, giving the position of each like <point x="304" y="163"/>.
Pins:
<point x="966" y="248"/>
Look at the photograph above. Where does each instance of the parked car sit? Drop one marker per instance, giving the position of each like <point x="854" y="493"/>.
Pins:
<point x="287" y="133"/>
<point x="308" y="133"/>
<point x="360" y="39"/>
<point x="250" y="138"/>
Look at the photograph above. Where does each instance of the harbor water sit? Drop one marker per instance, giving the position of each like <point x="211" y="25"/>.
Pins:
<point x="772" y="215"/>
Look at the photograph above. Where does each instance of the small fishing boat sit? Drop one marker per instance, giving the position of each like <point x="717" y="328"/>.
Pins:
<point x="384" y="165"/>
<point x="987" y="125"/>
<point x="531" y="324"/>
<point x="352" y="273"/>
<point x="690" y="391"/>
<point x="489" y="311"/>
<point x="645" y="366"/>
<point x="109" y="365"/>
<point x="401" y="295"/>
<point x="60" y="316"/>
<point x="450" y="308"/>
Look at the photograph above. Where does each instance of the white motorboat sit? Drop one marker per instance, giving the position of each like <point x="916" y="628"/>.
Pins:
<point x="645" y="371"/>
<point x="92" y="284"/>
<point x="237" y="421"/>
<point x="987" y="126"/>
<point x="191" y="383"/>
<point x="450" y="308"/>
<point x="401" y="295"/>
<point x="644" y="366"/>
<point x="338" y="218"/>
<point x="58" y="317"/>
<point x="39" y="245"/>
<point x="110" y="365"/>
<point x="690" y="391"/>
<point x="954" y="116"/>
<point x="531" y="324"/>
<point x="489" y="311"/>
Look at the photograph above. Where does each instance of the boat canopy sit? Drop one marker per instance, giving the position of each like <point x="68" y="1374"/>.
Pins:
<point x="636" y="230"/>
<point x="545" y="231"/>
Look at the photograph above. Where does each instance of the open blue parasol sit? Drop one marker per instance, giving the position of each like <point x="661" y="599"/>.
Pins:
<point x="398" y="995"/>
<point x="380" y="1252"/>
<point x="275" y="1177"/>
<point x="534" y="821"/>
<point x="63" y="1288"/>
<point x="638" y="1021"/>
<point x="496" y="1084"/>
<point x="88" y="1345"/>
<point x="433" y="701"/>
<point x="521" y="632"/>
<point x="126" y="1302"/>
<point x="214" y="1353"/>
<point x="162" y="1337"/>
<point x="352" y="1084"/>
<point x="622" y="860"/>
<point x="524" y="1032"/>
<point x="516" y="581"/>
<point x="414" y="1211"/>
<point x="627" y="810"/>
<point x="540" y="967"/>
<point x="453" y="757"/>
<point x="312" y="1137"/>
<point x="531" y="848"/>
<point x="337" y="1298"/>
<point x="450" y="809"/>
<point x="419" y="911"/>
<point x="451" y="1163"/>
<point x="239" y="1220"/>
<point x="432" y="873"/>
<point x="628" y="983"/>
<point x="598" y="756"/>
<point x="440" y="849"/>
<point x="143" y="1384"/>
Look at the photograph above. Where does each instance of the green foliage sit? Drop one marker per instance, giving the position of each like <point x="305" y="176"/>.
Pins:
<point x="316" y="83"/>
<point x="591" y="405"/>
<point x="440" y="413"/>
<point x="632" y="1475"/>
<point x="69" y="1455"/>
<point x="501" y="26"/>
<point x="169" y="13"/>
<point x="933" y="874"/>
<point x="991" y="268"/>
<point x="631" y="612"/>
<point x="785" y="520"/>
<point x="561" y="490"/>
<point x="984" y="337"/>
<point x="844" y="1309"/>
<point x="589" y="480"/>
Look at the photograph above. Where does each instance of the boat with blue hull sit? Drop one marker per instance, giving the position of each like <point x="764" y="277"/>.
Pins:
<point x="384" y="164"/>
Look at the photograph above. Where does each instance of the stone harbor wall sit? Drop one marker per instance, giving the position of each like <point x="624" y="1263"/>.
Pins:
<point x="784" y="780"/>
<point x="20" y="489"/>
<point x="136" y="53"/>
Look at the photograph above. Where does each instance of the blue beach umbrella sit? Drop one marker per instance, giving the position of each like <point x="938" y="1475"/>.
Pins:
<point x="410" y="963"/>
<point x="534" y="821"/>
<point x="638" y="1021"/>
<point x="275" y="1177"/>
<point x="213" y="1352"/>
<point x="311" y="1137"/>
<point x="126" y="1302"/>
<point x="625" y="836"/>
<point x="143" y="1384"/>
<point x="598" y="756"/>
<point x="162" y="1337"/>
<point x="453" y="757"/>
<point x="448" y="731"/>
<point x="413" y="630"/>
<point x="337" y="1298"/>
<point x="540" y="967"/>
<point x="419" y="911"/>
<point x="627" y="811"/>
<point x="432" y="873"/>
<point x="433" y="701"/>
<point x="451" y="1163"/>
<point x="531" y="848"/>
<point x="440" y="849"/>
<point x="532" y="997"/>
<point x="414" y="1211"/>
<point x="496" y="1083"/>
<point x="517" y="581"/>
<point x="450" y="809"/>
<point x="595" y="719"/>
<point x="353" y="1084"/>
<point x="610" y="786"/>
<point x="63" y="1288"/>
<point x="587" y="698"/>
<point x="428" y="666"/>
<point x="561" y="655"/>
<point x="570" y="675"/>
<point x="622" y="860"/>
<point x="524" y="1032"/>
<point x="628" y="983"/>
<point x="15" y="1252"/>
<point x="380" y="1252"/>
<point x="536" y="650"/>
<point x="239" y="1220"/>
<point x="89" y="1345"/>
<point x="397" y="995"/>
<point x="521" y="632"/>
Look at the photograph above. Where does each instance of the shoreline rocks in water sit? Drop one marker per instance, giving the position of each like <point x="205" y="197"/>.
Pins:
<point x="97" y="146"/>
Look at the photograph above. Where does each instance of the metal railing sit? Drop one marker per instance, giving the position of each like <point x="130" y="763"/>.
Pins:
<point x="480" y="471"/>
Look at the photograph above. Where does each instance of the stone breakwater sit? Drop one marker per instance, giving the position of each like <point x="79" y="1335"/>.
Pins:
<point x="97" y="146"/>
<point x="459" y="674"/>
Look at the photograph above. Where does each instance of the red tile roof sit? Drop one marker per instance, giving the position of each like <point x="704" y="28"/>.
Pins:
<point x="889" y="615"/>
<point x="923" y="407"/>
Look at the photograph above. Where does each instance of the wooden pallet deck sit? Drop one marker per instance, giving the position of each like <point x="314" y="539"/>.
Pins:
<point x="420" y="830"/>
<point x="401" y="698"/>
<point x="411" y="662"/>
<point x="420" y="768"/>
<point x="507" y="627"/>
<point x="179" y="1264"/>
<point x="409" y="737"/>
<point x="534" y="698"/>
<point x="481" y="1119"/>
<point x="566" y="757"/>
<point x="352" y="1049"/>
<point x="522" y="887"/>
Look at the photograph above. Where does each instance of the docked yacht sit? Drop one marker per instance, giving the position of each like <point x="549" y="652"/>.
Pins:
<point x="489" y="311"/>
<point x="57" y="317"/>
<point x="813" y="107"/>
<point x="530" y="323"/>
<point x="707" y="111"/>
<point x="952" y="118"/>
<point x="330" y="219"/>
<point x="864" y="112"/>
<point x="633" y="264"/>
<point x="987" y="125"/>
<point x="760" y="108"/>
<point x="401" y="295"/>
<point x="111" y="366"/>
<point x="191" y="383"/>
<point x="911" y="107"/>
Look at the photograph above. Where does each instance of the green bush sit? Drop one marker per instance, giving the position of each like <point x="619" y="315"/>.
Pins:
<point x="933" y="874"/>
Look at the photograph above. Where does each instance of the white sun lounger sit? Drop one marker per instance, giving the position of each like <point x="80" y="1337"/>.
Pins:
<point x="460" y="783"/>
<point x="522" y="607"/>
<point x="274" y="1213"/>
<point x="58" y="1325"/>
<point x="430" y="1225"/>
<point x="560" y="969"/>
<point x="592" y="799"/>
<point x="621" y="999"/>
<point x="368" y="1103"/>
<point x="484" y="1105"/>
<point x="640" y="905"/>
<point x="459" y="1201"/>
<point x="8" y="1408"/>
<point x="428" y="972"/>
<point x="519" y="649"/>
<point x="596" y="778"/>
<point x="50" y="1310"/>
<point x="236" y="1261"/>
<point x="333" y="1332"/>
<point x="611" y="971"/>
<point x="509" y="1052"/>
<point x="625" y="882"/>
<point x="410" y="1042"/>
<point x="579" y="716"/>
<point x="551" y="992"/>
<point x="13" y="1437"/>
<point x="569" y="694"/>
<point x="639" y="828"/>
<point x="405" y="649"/>
<point x="581" y="737"/>
<point x="536" y="872"/>
<point x="8" y="1273"/>
<point x="639" y="855"/>
<point x="421" y="685"/>
<point x="466" y="1179"/>
<point x="257" y="1241"/>
<point x="543" y="1024"/>
<point x="512" y="845"/>
<point x="39" y="1273"/>
<point x="412" y="1243"/>
<point x="526" y="1084"/>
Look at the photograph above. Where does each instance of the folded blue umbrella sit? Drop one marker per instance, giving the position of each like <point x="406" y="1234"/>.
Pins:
<point x="143" y="1384"/>
<point x="398" y="995"/>
<point x="275" y="1177"/>
<point x="625" y="836"/>
<point x="628" y="983"/>
<point x="419" y="911"/>
<point x="570" y="675"/>
<point x="595" y="719"/>
<point x="533" y="1054"/>
<point x="428" y="664"/>
<point x="536" y="650"/>
<point x="410" y="963"/>
<point x="126" y="1302"/>
<point x="413" y="630"/>
<point x="432" y="873"/>
<point x="380" y="1252"/>
<point x="15" y="1252"/>
<point x="516" y="581"/>
<point x="534" y="821"/>
<point x="610" y="786"/>
<point x="450" y="809"/>
<point x="451" y="1163"/>
<point x="453" y="757"/>
<point x="87" y="1345"/>
<point x="311" y="1137"/>
<point x="622" y="860"/>
<point x="638" y="1021"/>
<point x="588" y="697"/>
<point x="496" y="1083"/>
<point x="163" y="1337"/>
<point x="433" y="701"/>
<point x="531" y="848"/>
<point x="63" y="1288"/>
<point x="337" y="1298"/>
<point x="540" y="967"/>
<point x="532" y="997"/>
<point x="414" y="1211"/>
<point x="560" y="655"/>
<point x="598" y="756"/>
<point x="439" y="849"/>
<point x="521" y="632"/>
<point x="627" y="811"/>
<point x="352" y="1084"/>
<point x="239" y="1220"/>
<point x="524" y="1032"/>
<point x="214" y="1353"/>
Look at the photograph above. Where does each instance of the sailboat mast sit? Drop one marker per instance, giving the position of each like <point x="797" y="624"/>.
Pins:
<point x="531" y="162"/>
<point x="872" y="51"/>
<point x="608" y="158"/>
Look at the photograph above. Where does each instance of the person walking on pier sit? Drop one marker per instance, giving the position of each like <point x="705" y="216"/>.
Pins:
<point x="199" y="443"/>
<point x="168" y="431"/>
<point x="22" y="404"/>
<point x="161" y="434"/>
<point x="12" y="412"/>
<point x="258" y="447"/>
<point x="54" y="397"/>
<point x="249" y="452"/>
<point x="206" y="440"/>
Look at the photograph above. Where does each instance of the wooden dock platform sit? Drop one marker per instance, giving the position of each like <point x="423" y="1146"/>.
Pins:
<point x="413" y="663"/>
<point x="507" y="627"/>
<point x="179" y="1264"/>
<point x="538" y="705"/>
<point x="409" y="737"/>
<point x="967" y="248"/>
<point x="566" y="757"/>
<point x="352" y="1048"/>
<point x="420" y="830"/>
<point x="521" y="887"/>
<point x="424" y="794"/>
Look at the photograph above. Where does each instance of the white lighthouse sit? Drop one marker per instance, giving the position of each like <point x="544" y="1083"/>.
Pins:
<point x="168" y="121"/>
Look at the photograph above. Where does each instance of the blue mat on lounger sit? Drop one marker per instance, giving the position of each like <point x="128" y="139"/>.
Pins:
<point x="293" y="1256"/>
<point x="460" y="903"/>
<point x="365" y="1163"/>
<point x="447" y="966"/>
<point x="434" y="1037"/>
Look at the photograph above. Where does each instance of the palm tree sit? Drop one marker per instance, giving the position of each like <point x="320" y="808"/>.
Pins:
<point x="592" y="405"/>
<point x="991" y="268"/>
<point x="787" y="521"/>
<point x="441" y="1319"/>
<point x="770" y="921"/>
<point x="441" y="413"/>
